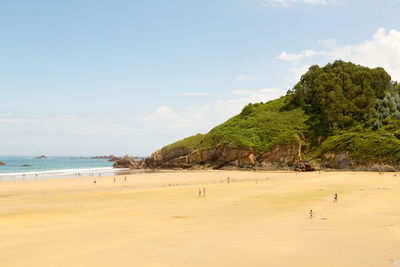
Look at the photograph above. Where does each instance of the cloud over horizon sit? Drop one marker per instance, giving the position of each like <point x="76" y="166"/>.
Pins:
<point x="383" y="50"/>
<point x="195" y="94"/>
<point x="291" y="3"/>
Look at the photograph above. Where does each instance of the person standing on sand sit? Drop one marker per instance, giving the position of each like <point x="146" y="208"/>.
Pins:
<point x="125" y="178"/>
<point x="335" y="198"/>
<point x="199" y="192"/>
<point x="204" y="192"/>
<point x="311" y="215"/>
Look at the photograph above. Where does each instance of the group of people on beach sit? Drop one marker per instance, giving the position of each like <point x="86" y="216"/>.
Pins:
<point x="94" y="179"/>
<point x="202" y="192"/>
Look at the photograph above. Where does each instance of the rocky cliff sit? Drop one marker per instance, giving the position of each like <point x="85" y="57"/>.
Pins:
<point x="281" y="156"/>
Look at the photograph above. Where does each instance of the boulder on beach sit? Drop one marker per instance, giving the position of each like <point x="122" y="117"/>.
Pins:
<point x="128" y="162"/>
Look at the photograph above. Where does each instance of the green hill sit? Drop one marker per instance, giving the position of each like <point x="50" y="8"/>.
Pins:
<point x="341" y="108"/>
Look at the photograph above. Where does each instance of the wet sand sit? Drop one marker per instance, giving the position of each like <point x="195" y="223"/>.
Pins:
<point x="158" y="219"/>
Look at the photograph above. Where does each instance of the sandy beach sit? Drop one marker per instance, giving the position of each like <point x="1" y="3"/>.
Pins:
<point x="158" y="219"/>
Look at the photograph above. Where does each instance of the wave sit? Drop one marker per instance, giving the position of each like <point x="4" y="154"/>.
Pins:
<point x="56" y="172"/>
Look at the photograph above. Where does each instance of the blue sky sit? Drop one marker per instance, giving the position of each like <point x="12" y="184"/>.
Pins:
<point x="97" y="77"/>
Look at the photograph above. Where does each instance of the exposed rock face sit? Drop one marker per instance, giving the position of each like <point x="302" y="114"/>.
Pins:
<point x="343" y="160"/>
<point x="41" y="157"/>
<point x="279" y="157"/>
<point x="127" y="162"/>
<point x="283" y="155"/>
<point x="2" y="163"/>
<point x="224" y="156"/>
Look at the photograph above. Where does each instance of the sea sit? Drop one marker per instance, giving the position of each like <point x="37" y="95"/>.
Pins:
<point x="54" y="167"/>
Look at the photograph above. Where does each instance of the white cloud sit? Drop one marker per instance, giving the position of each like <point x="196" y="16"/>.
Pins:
<point x="241" y="92"/>
<point x="163" y="110"/>
<point x="254" y="96"/>
<point x="297" y="72"/>
<point x="290" y="3"/>
<point x="246" y="77"/>
<point x="328" y="42"/>
<point x="383" y="50"/>
<point x="195" y="94"/>
<point x="8" y="114"/>
<point x="296" y="57"/>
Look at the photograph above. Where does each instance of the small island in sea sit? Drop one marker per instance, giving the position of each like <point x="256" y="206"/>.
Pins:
<point x="41" y="157"/>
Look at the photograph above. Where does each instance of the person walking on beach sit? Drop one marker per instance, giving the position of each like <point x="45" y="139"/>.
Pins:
<point x="311" y="215"/>
<point x="199" y="192"/>
<point x="335" y="198"/>
<point x="204" y="192"/>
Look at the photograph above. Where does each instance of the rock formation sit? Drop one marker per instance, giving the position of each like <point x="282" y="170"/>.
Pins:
<point x="306" y="166"/>
<point x="224" y="157"/>
<point x="128" y="162"/>
<point x="41" y="157"/>
<point x="109" y="157"/>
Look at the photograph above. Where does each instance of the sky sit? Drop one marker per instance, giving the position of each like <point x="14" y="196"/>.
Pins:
<point x="128" y="77"/>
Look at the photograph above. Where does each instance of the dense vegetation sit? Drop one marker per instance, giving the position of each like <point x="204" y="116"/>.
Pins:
<point x="341" y="95"/>
<point x="191" y="142"/>
<point x="339" y="107"/>
<point x="260" y="127"/>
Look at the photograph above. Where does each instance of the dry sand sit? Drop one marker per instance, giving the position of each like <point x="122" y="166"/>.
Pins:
<point x="158" y="219"/>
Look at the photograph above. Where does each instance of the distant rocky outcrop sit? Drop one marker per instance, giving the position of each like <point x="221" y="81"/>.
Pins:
<point x="128" y="162"/>
<point x="2" y="163"/>
<point x="41" y="157"/>
<point x="109" y="157"/>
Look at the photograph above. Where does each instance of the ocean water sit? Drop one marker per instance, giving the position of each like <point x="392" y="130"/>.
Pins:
<point x="52" y="167"/>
